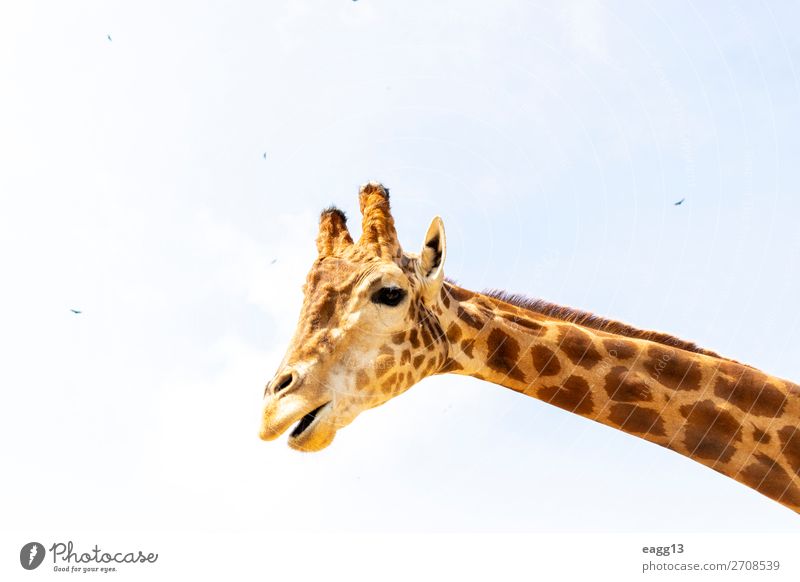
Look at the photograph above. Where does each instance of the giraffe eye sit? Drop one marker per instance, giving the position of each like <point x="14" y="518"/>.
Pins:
<point x="390" y="296"/>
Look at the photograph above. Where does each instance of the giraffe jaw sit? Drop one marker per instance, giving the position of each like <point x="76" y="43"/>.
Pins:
<point x="313" y="433"/>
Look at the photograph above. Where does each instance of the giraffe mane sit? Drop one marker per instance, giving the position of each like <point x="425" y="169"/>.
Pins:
<point x="587" y="319"/>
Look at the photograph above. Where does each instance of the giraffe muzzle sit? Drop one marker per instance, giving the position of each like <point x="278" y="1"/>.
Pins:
<point x="302" y="418"/>
<point x="295" y="404"/>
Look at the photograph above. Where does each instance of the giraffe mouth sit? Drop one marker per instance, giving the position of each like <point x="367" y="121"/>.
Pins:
<point x="306" y="421"/>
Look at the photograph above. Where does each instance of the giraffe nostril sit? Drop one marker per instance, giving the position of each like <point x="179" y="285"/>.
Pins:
<point x="283" y="382"/>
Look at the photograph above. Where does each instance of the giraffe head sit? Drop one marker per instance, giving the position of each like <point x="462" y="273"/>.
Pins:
<point x="368" y="328"/>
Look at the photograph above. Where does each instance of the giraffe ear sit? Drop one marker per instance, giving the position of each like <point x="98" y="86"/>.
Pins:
<point x="431" y="259"/>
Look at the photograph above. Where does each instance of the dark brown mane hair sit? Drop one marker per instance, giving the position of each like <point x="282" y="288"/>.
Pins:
<point x="591" y="320"/>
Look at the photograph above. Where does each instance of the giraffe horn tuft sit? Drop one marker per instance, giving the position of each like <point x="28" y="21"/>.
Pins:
<point x="333" y="235"/>
<point x="377" y="225"/>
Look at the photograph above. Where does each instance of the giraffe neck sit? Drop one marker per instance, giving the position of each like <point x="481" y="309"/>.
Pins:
<point x="733" y="418"/>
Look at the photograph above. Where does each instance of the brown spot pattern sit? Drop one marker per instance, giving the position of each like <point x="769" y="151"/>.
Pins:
<point x="452" y="366"/>
<point x="471" y="320"/>
<point x="460" y="294"/>
<point x="633" y="418"/>
<point x="574" y="395"/>
<point x="625" y="386"/>
<point x="790" y="443"/>
<point x="445" y="297"/>
<point x="578" y="347"/>
<point x="620" y="349"/>
<point x="761" y="436"/>
<point x="413" y="338"/>
<point x="545" y="361"/>
<point x="453" y="333"/>
<point x="383" y="364"/>
<point x="752" y="393"/>
<point x="388" y="385"/>
<point x="425" y="335"/>
<point x="710" y="432"/>
<point x="418" y="361"/>
<point x="503" y="354"/>
<point x="673" y="369"/>
<point x="530" y="325"/>
<point x="769" y="478"/>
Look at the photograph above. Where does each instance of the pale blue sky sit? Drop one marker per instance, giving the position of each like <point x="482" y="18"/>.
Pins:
<point x="553" y="139"/>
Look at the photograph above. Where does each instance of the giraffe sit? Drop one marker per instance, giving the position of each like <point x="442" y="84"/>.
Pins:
<point x="376" y="320"/>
